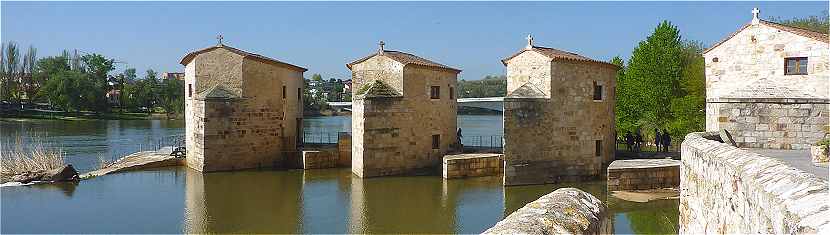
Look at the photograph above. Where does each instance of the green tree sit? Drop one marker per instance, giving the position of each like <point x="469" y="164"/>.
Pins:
<point x="11" y="71"/>
<point x="819" y="23"/>
<point x="95" y="85"/>
<point x="689" y="107"/>
<point x="64" y="89"/>
<point x="651" y="80"/>
<point x="47" y="69"/>
<point x="172" y="96"/>
<point x="29" y="84"/>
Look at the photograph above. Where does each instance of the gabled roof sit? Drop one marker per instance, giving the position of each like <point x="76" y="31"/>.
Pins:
<point x="216" y="92"/>
<point x="187" y="58"/>
<point x="376" y="89"/>
<point x="821" y="37"/>
<point x="556" y="54"/>
<point x="527" y="90"/>
<point x="405" y="58"/>
<point x="765" y="88"/>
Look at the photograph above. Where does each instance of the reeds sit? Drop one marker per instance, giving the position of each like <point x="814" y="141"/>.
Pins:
<point x="15" y="159"/>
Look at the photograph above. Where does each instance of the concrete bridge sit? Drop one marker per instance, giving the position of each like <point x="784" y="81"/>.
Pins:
<point x="491" y="103"/>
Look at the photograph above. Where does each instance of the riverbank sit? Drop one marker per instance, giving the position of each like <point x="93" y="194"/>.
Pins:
<point x="80" y="116"/>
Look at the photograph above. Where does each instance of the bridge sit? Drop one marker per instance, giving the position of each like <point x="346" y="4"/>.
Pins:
<point x="491" y="103"/>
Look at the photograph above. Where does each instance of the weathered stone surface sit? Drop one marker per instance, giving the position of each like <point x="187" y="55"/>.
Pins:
<point x="642" y="174"/>
<point x="749" y="94"/>
<point x="728" y="190"/>
<point x="255" y="122"/>
<point x="344" y="147"/>
<point x="552" y="124"/>
<point x="320" y="159"/>
<point x="472" y="165"/>
<point x="65" y="173"/>
<point x="564" y="211"/>
<point x="818" y="154"/>
<point x="138" y="161"/>
<point x="392" y="135"/>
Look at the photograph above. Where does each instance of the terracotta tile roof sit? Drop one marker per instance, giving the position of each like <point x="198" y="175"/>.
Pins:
<point x="187" y="58"/>
<point x="405" y="58"/>
<point x="556" y="54"/>
<point x="821" y="37"/>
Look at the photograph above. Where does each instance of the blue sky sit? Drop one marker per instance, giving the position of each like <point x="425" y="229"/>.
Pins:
<point x="324" y="36"/>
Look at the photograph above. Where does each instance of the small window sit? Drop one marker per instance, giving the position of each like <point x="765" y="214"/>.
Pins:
<point x="795" y="66"/>
<point x="598" y="148"/>
<point x="283" y="92"/>
<point x="189" y="90"/>
<point x="436" y="141"/>
<point x="597" y="91"/>
<point x="435" y="92"/>
<point x="299" y="93"/>
<point x="452" y="93"/>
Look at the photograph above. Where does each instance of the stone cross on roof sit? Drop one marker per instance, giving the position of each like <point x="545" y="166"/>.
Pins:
<point x="380" y="48"/>
<point x="755" y="13"/>
<point x="529" y="42"/>
<point x="219" y="37"/>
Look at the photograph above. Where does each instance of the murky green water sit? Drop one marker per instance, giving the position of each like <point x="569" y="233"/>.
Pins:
<point x="179" y="200"/>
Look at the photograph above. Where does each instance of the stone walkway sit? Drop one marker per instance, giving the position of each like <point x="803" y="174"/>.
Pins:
<point x="138" y="161"/>
<point x="799" y="159"/>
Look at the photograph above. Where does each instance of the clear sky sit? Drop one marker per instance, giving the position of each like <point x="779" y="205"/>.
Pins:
<point x="324" y="36"/>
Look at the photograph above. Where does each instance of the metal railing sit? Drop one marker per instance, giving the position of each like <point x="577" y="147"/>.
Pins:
<point x="492" y="141"/>
<point x="320" y="137"/>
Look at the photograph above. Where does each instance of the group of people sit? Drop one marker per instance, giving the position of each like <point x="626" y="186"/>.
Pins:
<point x="635" y="142"/>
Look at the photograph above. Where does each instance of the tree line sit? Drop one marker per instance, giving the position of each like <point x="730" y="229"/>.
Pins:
<point x="73" y="82"/>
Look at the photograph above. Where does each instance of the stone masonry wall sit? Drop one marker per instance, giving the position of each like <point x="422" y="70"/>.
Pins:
<point x="255" y="128"/>
<point x="758" y="53"/>
<point x="320" y="159"/>
<point x="728" y="190"/>
<point x="393" y="135"/>
<point x="564" y="211"/>
<point x="640" y="174"/>
<point x="472" y="165"/>
<point x="754" y="124"/>
<point x="555" y="140"/>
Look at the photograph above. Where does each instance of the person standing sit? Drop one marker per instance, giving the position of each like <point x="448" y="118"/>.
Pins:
<point x="638" y="140"/>
<point x="629" y="140"/>
<point x="657" y="139"/>
<point x="666" y="140"/>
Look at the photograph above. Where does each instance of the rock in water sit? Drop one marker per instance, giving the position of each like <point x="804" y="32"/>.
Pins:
<point x="65" y="173"/>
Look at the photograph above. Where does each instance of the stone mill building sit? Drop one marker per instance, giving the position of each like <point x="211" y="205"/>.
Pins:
<point x="403" y="113"/>
<point x="242" y="110"/>
<point x="767" y="84"/>
<point x="558" y="116"/>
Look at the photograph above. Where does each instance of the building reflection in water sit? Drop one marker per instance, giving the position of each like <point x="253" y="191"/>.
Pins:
<point x="243" y="202"/>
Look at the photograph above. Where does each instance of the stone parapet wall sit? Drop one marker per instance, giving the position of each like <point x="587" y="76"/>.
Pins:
<point x="472" y="165"/>
<point x="320" y="159"/>
<point x="640" y="174"/>
<point x="564" y="211"/>
<point x="757" y="123"/>
<point x="728" y="190"/>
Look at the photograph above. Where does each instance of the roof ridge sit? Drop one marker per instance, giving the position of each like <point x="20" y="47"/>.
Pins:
<point x="189" y="56"/>
<point x="790" y="26"/>
<point x="823" y="37"/>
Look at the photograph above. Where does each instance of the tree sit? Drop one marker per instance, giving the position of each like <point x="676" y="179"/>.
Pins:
<point x="29" y="82"/>
<point x="489" y="86"/>
<point x="64" y="89"/>
<point x="819" y="23"/>
<point x="12" y="72"/>
<point x="172" y="96"/>
<point x="96" y="67"/>
<point x="651" y="80"/>
<point x="47" y="69"/>
<point x="689" y="107"/>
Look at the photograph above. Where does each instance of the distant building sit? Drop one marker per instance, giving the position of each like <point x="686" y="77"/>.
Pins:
<point x="558" y="116"/>
<point x="767" y="84"/>
<point x="242" y="110"/>
<point x="403" y="113"/>
<point x="169" y="75"/>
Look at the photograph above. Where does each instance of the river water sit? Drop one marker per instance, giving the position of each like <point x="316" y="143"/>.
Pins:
<point x="179" y="200"/>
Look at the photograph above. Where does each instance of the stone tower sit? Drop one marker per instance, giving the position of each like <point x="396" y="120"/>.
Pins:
<point x="769" y="85"/>
<point x="242" y="110"/>
<point x="558" y="116"/>
<point x="403" y="113"/>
